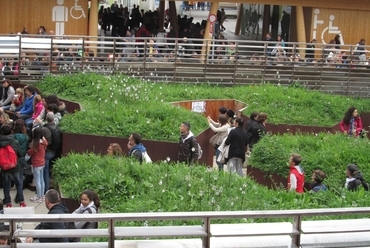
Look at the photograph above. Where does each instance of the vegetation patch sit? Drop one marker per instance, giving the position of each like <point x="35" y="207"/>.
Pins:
<point x="125" y="186"/>
<point x="118" y="105"/>
<point x="329" y="152"/>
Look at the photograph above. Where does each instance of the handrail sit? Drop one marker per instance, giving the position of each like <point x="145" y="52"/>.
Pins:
<point x="206" y="217"/>
<point x="215" y="61"/>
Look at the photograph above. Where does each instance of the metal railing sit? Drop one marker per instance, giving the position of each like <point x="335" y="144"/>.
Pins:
<point x="204" y="231"/>
<point x="343" y="70"/>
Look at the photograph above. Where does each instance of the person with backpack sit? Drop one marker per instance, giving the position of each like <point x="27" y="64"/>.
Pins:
<point x="355" y="179"/>
<point x="52" y="134"/>
<point x="37" y="154"/>
<point x="137" y="149"/>
<point x="90" y="204"/>
<point x="188" y="145"/>
<point x="20" y="134"/>
<point x="10" y="165"/>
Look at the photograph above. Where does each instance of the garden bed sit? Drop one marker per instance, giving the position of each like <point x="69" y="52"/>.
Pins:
<point x="167" y="187"/>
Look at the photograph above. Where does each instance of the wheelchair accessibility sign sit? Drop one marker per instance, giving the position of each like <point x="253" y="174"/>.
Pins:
<point x="60" y="15"/>
<point x="327" y="26"/>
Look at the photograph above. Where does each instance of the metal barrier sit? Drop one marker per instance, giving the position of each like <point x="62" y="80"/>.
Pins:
<point x="327" y="68"/>
<point x="294" y="229"/>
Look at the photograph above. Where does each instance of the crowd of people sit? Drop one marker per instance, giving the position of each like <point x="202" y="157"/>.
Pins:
<point x="29" y="129"/>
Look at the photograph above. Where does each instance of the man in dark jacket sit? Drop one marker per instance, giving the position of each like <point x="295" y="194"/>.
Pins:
<point x="238" y="141"/>
<point x="52" y="202"/>
<point x="188" y="145"/>
<point x="13" y="174"/>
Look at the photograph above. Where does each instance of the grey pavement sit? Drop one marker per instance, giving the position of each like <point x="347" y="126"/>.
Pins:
<point x="39" y="208"/>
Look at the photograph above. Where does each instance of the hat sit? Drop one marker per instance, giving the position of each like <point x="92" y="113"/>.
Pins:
<point x="230" y="113"/>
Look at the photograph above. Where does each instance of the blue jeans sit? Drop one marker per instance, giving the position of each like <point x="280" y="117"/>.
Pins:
<point x="28" y="122"/>
<point x="220" y="165"/>
<point x="49" y="155"/>
<point x="23" y="163"/>
<point x="7" y="177"/>
<point x="38" y="175"/>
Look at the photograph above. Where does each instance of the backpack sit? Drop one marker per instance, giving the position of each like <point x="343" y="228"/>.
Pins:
<point x="56" y="138"/>
<point x="200" y="152"/>
<point x="71" y="225"/>
<point x="144" y="157"/>
<point x="365" y="185"/>
<point x="8" y="158"/>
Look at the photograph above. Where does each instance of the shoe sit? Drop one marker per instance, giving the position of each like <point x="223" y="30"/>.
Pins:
<point x="22" y="204"/>
<point x="37" y="200"/>
<point x="9" y="205"/>
<point x="34" y="198"/>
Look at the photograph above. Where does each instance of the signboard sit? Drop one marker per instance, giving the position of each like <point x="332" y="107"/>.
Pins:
<point x="199" y="107"/>
<point x="212" y="19"/>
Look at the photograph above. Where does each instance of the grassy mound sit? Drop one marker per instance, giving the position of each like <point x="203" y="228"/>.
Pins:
<point x="118" y="105"/>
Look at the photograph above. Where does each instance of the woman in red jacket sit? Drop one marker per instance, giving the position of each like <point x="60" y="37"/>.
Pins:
<point x="351" y="123"/>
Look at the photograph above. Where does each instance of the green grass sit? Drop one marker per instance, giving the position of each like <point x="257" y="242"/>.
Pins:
<point x="118" y="105"/>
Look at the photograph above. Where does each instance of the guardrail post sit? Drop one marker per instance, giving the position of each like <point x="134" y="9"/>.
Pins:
<point x="50" y="55"/>
<point x="174" y="69"/>
<point x="12" y="229"/>
<point x="350" y="70"/>
<point x="297" y="222"/>
<point x="236" y="60"/>
<point x="145" y="56"/>
<point x="266" y="61"/>
<point x="114" y="53"/>
<point x="19" y="58"/>
<point x="205" y="62"/>
<point x="206" y="241"/>
<point x="111" y="233"/>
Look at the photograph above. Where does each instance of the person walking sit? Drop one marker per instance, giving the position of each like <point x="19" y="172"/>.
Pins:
<point x="237" y="141"/>
<point x="188" y="145"/>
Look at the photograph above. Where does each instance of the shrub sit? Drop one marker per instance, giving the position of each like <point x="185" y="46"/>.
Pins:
<point x="117" y="105"/>
<point x="167" y="187"/>
<point x="328" y="152"/>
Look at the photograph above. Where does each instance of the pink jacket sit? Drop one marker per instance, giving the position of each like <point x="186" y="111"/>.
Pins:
<point x="39" y="108"/>
<point x="358" y="122"/>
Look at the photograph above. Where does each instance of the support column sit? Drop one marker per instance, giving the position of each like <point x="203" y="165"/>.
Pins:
<point x="301" y="30"/>
<point x="213" y="10"/>
<point x="173" y="16"/>
<point x="239" y="19"/>
<point x="93" y="23"/>
<point x="161" y="15"/>
<point x="266" y="21"/>
<point x="275" y="21"/>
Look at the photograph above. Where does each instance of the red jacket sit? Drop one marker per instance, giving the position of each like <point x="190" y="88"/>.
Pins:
<point x="38" y="158"/>
<point x="358" y="124"/>
<point x="299" y="175"/>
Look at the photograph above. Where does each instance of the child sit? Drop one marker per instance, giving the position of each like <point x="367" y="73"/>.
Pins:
<point x="90" y="204"/>
<point x="17" y="100"/>
<point x="37" y="154"/>
<point x="296" y="174"/>
<point x="39" y="111"/>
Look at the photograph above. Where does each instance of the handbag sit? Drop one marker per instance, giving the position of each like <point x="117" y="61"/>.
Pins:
<point x="217" y="138"/>
<point x="224" y="152"/>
